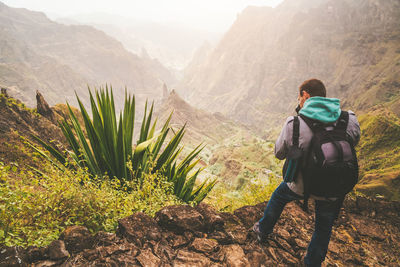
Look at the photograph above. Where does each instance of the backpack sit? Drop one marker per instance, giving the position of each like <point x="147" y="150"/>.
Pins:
<point x="330" y="167"/>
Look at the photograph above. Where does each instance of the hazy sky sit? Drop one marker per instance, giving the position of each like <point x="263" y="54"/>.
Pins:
<point x="212" y="15"/>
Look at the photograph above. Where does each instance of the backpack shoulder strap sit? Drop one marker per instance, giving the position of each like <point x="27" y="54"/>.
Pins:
<point x="296" y="136"/>
<point x="296" y="131"/>
<point x="306" y="194"/>
<point x="308" y="121"/>
<point x="343" y="121"/>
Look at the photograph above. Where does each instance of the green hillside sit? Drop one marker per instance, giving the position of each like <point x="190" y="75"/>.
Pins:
<point x="379" y="154"/>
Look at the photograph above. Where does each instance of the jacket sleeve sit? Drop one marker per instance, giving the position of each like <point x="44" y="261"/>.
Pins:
<point x="284" y="140"/>
<point x="353" y="128"/>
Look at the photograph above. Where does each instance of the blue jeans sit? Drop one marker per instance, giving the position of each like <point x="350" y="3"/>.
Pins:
<point x="326" y="213"/>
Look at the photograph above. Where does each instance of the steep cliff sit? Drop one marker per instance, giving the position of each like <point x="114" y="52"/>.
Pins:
<point x="254" y="72"/>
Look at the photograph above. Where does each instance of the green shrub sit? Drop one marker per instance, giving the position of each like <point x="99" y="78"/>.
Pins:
<point x="35" y="209"/>
<point x="225" y="198"/>
<point x="107" y="147"/>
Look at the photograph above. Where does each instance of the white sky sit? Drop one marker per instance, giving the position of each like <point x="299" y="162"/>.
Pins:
<point x="211" y="15"/>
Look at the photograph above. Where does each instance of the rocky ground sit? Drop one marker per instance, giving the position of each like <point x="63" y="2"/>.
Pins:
<point x="366" y="234"/>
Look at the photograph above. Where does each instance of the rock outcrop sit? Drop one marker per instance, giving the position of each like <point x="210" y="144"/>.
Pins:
<point x="366" y="234"/>
<point x="18" y="123"/>
<point x="43" y="107"/>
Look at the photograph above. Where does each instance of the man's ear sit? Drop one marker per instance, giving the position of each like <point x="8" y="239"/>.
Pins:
<point x="306" y="95"/>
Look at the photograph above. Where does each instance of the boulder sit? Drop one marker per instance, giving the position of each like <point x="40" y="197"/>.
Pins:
<point x="248" y="215"/>
<point x="108" y="251"/>
<point x="77" y="238"/>
<point x="180" y="219"/>
<point x="230" y="220"/>
<point x="204" y="245"/>
<point x="164" y="251"/>
<point x="222" y="237"/>
<point x="57" y="251"/>
<point x="238" y="234"/>
<point x="257" y="258"/>
<point x="34" y="254"/>
<point x="139" y="228"/>
<point x="146" y="258"/>
<point x="178" y="241"/>
<point x="213" y="221"/>
<point x="234" y="256"/>
<point x="104" y="239"/>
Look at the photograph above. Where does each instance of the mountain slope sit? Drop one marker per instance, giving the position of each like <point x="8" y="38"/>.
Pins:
<point x="37" y="53"/>
<point x="379" y="154"/>
<point x="233" y="153"/>
<point x="254" y="72"/>
<point x="17" y="124"/>
<point x="201" y="126"/>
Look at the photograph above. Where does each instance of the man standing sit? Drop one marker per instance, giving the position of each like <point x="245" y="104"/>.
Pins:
<point x="316" y="108"/>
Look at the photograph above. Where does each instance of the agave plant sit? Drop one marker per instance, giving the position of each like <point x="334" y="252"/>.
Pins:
<point x="106" y="146"/>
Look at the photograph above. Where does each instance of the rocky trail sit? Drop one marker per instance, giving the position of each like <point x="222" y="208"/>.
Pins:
<point x="366" y="234"/>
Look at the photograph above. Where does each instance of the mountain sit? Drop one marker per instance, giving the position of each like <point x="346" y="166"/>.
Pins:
<point x="233" y="153"/>
<point x="171" y="43"/>
<point x="201" y="126"/>
<point x="37" y="53"/>
<point x="254" y="73"/>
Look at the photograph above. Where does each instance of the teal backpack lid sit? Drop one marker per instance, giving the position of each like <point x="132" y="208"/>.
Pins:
<point x="326" y="110"/>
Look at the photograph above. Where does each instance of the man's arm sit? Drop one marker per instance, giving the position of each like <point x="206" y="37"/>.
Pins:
<point x="284" y="140"/>
<point x="353" y="128"/>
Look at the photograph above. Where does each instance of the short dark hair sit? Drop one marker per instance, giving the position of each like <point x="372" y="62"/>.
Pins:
<point x="314" y="87"/>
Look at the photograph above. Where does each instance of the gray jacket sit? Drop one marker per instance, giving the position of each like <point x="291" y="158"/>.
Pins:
<point x="285" y="141"/>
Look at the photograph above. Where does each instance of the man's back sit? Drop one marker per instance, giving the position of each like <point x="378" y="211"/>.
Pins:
<point x="320" y="109"/>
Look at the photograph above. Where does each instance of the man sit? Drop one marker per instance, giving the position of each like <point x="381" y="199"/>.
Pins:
<point x="315" y="106"/>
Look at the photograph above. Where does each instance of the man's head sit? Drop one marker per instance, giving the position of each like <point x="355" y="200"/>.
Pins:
<point x="310" y="88"/>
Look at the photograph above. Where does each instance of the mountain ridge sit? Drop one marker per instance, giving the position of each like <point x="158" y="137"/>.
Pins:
<point x="59" y="59"/>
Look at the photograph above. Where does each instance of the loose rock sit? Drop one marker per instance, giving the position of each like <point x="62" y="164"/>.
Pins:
<point x="186" y="258"/>
<point x="139" y="228"/>
<point x="180" y="219"/>
<point x="204" y="245"/>
<point x="235" y="257"/>
<point x="77" y="238"/>
<point x="57" y="250"/>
